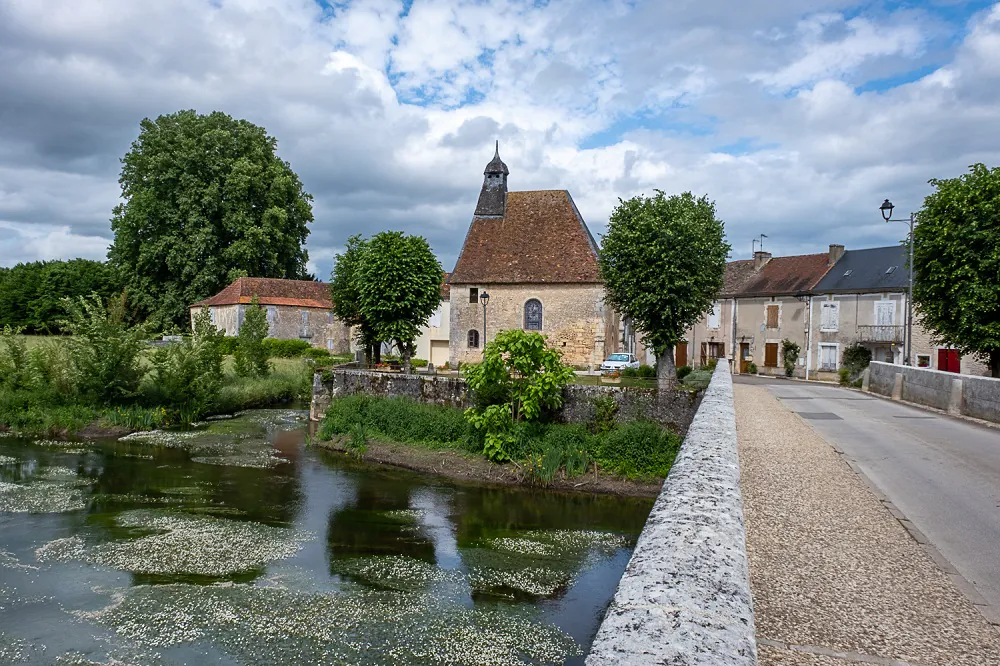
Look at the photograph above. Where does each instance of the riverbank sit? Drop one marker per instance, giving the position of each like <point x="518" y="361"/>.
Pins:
<point x="460" y="465"/>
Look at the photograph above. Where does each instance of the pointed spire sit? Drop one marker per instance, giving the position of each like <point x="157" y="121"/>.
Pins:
<point x="493" y="197"/>
<point x="496" y="165"/>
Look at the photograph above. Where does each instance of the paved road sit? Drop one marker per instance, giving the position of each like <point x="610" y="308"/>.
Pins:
<point x="942" y="473"/>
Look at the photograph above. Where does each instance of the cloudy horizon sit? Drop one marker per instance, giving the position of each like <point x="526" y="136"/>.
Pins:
<point x="796" y="118"/>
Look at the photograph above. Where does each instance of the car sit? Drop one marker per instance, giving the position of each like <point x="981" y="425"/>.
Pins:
<point x="617" y="362"/>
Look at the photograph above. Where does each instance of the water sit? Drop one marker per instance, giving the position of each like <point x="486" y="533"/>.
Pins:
<point x="239" y="544"/>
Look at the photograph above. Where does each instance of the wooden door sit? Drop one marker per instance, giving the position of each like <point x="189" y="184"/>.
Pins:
<point x="744" y="357"/>
<point x="949" y="360"/>
<point x="771" y="355"/>
<point x="681" y="354"/>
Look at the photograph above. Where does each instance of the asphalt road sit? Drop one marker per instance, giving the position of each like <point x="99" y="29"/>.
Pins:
<point x="942" y="473"/>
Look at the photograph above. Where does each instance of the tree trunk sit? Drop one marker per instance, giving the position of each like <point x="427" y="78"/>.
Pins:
<point x="666" y="373"/>
<point x="406" y="350"/>
<point x="995" y="363"/>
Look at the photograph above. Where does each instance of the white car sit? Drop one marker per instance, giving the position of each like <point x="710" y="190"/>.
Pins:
<point x="617" y="362"/>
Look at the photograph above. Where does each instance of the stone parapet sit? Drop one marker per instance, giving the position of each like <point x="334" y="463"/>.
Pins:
<point x="966" y="395"/>
<point x="685" y="595"/>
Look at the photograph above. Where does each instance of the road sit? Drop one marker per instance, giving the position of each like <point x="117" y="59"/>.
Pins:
<point x="942" y="473"/>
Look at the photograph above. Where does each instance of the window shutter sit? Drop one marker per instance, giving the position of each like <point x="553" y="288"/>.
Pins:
<point x="772" y="316"/>
<point x="713" y="315"/>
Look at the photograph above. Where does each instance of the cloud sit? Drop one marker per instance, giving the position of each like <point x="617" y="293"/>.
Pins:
<point x="797" y="117"/>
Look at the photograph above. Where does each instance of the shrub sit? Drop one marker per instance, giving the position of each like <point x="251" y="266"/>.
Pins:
<point x="317" y="354"/>
<point x="276" y="348"/>
<point x="629" y="372"/>
<point x="250" y="358"/>
<point x="573" y="444"/>
<point x="790" y="356"/>
<point x="682" y="372"/>
<point x="396" y="420"/>
<point x="418" y="363"/>
<point x="698" y="379"/>
<point x="227" y="346"/>
<point x="647" y="372"/>
<point x="51" y="370"/>
<point x="752" y="368"/>
<point x="710" y="366"/>
<point x="844" y="376"/>
<point x="638" y="449"/>
<point x="186" y="377"/>
<point x="605" y="409"/>
<point x="856" y="358"/>
<point x="14" y="369"/>
<point x="357" y="443"/>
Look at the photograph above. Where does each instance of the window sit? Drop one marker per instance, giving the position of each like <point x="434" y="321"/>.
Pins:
<point x="829" y="320"/>
<point x="714" y="315"/>
<point x="473" y="294"/>
<point x="848" y="272"/>
<point x="272" y="314"/>
<point x="923" y="360"/>
<point x="305" y="318"/>
<point x="890" y="269"/>
<point x="533" y="315"/>
<point x="435" y="320"/>
<point x="329" y="344"/>
<point x="473" y="339"/>
<point x="772" y="316"/>
<point x="885" y="313"/>
<point x="211" y="314"/>
<point x="329" y="317"/>
<point x="827" y="357"/>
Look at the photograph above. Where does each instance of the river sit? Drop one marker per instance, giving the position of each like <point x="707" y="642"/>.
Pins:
<point x="239" y="543"/>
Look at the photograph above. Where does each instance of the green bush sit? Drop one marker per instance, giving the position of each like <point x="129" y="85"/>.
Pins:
<point x="15" y="371"/>
<point x="418" y="363"/>
<point x="250" y="358"/>
<point x="752" y="368"/>
<point x="844" y="376"/>
<point x="396" y="420"/>
<point x="317" y="354"/>
<point x="790" y="356"/>
<point x="629" y="372"/>
<point x="605" y="410"/>
<point x="276" y="348"/>
<point x="227" y="346"/>
<point x="638" y="449"/>
<point x="647" y="372"/>
<point x="185" y="378"/>
<point x="682" y="372"/>
<point x="710" y="366"/>
<point x="52" y="370"/>
<point x="856" y="358"/>
<point x="698" y="379"/>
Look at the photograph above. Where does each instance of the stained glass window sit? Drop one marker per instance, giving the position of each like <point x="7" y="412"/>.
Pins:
<point x="533" y="315"/>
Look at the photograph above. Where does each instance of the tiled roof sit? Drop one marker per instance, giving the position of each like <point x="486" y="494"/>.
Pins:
<point x="738" y="273"/>
<point x="540" y="238"/>
<point x="272" y="291"/>
<point x="445" y="287"/>
<point x="787" y="275"/>
<point x="866" y="271"/>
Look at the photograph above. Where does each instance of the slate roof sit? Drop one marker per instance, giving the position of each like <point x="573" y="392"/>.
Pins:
<point x="787" y="275"/>
<point x="540" y="239"/>
<point x="272" y="291"/>
<point x="738" y="273"/>
<point x="868" y="271"/>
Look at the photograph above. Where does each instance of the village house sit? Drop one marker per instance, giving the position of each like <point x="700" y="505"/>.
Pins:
<point x="296" y="310"/>
<point x="529" y="262"/>
<point x="433" y="342"/>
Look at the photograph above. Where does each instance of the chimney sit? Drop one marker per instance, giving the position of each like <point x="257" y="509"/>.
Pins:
<point x="759" y="259"/>
<point x="836" y="252"/>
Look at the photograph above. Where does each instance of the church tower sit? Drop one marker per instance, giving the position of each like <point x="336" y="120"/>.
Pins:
<point x="493" y="197"/>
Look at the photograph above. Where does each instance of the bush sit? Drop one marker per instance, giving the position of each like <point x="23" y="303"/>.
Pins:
<point x="250" y="358"/>
<point x="682" y="372"/>
<point x="698" y="379"/>
<point x="227" y="346"/>
<point x="317" y="354"/>
<point x="605" y="410"/>
<point x="186" y="377"/>
<point x="276" y="348"/>
<point x="14" y="369"/>
<point x="856" y="358"/>
<point x="52" y="370"/>
<point x="638" y="449"/>
<point x="629" y="372"/>
<point x="647" y="372"/>
<point x="418" y="363"/>
<point x="844" y="376"/>
<point x="710" y="366"/>
<point x="790" y="356"/>
<point x="396" y="420"/>
<point x="752" y="368"/>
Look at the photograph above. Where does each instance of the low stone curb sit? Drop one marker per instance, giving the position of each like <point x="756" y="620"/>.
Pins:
<point x="685" y="596"/>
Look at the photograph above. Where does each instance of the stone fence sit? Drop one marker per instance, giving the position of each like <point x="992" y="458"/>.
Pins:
<point x="674" y="409"/>
<point x="685" y="596"/>
<point x="965" y="395"/>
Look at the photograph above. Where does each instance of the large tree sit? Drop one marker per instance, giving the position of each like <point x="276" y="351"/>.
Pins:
<point x="662" y="262"/>
<point x="399" y="285"/>
<point x="31" y="294"/>
<point x="346" y="295"/>
<point x="207" y="201"/>
<point x="956" y="262"/>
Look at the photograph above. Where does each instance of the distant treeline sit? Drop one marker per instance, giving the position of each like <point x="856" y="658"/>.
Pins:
<point x="30" y="293"/>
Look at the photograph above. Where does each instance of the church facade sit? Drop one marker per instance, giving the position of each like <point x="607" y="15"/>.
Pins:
<point x="529" y="262"/>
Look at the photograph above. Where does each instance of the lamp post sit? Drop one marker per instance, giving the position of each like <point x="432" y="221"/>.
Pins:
<point x="484" y="298"/>
<point x="886" y="209"/>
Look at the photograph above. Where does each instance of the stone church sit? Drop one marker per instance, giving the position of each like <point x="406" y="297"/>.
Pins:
<point x="533" y="255"/>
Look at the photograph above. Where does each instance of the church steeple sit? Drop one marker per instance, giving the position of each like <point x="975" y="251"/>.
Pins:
<point x="493" y="196"/>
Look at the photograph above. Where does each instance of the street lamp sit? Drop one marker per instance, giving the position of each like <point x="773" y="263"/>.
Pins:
<point x="886" y="209"/>
<point x="484" y="298"/>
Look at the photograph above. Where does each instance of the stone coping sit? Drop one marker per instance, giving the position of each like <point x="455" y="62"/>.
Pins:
<point x="685" y="596"/>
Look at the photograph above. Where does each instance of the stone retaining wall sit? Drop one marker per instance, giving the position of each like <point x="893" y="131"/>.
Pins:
<point x="685" y="595"/>
<point x="674" y="409"/>
<point x="966" y="395"/>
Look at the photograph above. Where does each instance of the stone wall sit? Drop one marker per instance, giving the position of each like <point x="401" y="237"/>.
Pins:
<point x="966" y="395"/>
<point x="573" y="316"/>
<point x="685" y="595"/>
<point x="320" y="328"/>
<point x="674" y="410"/>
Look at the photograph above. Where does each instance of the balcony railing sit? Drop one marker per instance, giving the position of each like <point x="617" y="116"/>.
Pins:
<point x="880" y="334"/>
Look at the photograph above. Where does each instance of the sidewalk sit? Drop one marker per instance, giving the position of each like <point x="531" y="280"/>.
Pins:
<point x="836" y="579"/>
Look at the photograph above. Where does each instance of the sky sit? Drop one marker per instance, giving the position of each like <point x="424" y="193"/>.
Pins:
<point x="796" y="117"/>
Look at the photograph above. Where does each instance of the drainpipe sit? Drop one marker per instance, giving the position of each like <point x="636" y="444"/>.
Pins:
<point x="732" y="345"/>
<point x="809" y="340"/>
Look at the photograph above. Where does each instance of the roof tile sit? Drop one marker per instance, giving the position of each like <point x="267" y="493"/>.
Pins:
<point x="787" y="275"/>
<point x="273" y="291"/>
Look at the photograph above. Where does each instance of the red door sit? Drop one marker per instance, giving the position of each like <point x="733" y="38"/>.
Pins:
<point x="948" y="360"/>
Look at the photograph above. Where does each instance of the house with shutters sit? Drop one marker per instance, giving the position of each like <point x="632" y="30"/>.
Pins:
<point x="529" y="262"/>
<point x="432" y="343"/>
<point x="296" y="310"/>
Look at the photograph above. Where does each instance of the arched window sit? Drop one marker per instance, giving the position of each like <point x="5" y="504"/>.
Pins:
<point x="533" y="315"/>
<point x="473" y="339"/>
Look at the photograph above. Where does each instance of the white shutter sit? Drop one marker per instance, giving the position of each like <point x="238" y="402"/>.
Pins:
<point x="713" y="315"/>
<point x="885" y="313"/>
<point x="830" y="317"/>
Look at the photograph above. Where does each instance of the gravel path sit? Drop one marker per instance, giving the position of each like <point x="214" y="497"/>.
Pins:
<point x="836" y="579"/>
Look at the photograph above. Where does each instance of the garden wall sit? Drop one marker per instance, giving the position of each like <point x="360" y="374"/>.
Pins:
<point x="966" y="395"/>
<point x="674" y="409"/>
<point x="685" y="595"/>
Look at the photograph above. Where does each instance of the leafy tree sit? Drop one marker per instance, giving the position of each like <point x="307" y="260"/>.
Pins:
<point x="187" y="375"/>
<point x="250" y="357"/>
<point x="105" y="348"/>
<point x="956" y="260"/>
<point x="399" y="286"/>
<point x="789" y="355"/>
<point x="31" y="294"/>
<point x="346" y="295"/>
<point x="522" y="378"/>
<point x="207" y="201"/>
<point x="662" y="262"/>
<point x="856" y="358"/>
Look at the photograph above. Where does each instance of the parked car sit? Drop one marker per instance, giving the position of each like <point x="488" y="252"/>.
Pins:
<point x="617" y="362"/>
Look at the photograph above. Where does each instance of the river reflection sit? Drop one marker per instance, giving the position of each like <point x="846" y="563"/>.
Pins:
<point x="239" y="544"/>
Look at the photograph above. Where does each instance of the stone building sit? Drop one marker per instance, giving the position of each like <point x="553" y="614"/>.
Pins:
<point x="533" y="254"/>
<point x="296" y="310"/>
<point x="433" y="342"/>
